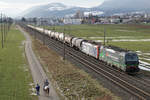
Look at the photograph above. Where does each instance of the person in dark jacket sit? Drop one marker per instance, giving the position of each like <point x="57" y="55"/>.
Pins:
<point x="46" y="82"/>
<point x="38" y="89"/>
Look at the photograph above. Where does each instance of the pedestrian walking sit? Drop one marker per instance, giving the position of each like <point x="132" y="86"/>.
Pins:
<point x="38" y="89"/>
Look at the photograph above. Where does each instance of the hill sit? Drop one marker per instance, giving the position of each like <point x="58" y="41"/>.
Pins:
<point x="108" y="7"/>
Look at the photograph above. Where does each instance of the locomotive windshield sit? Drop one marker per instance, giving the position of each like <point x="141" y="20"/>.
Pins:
<point x="131" y="57"/>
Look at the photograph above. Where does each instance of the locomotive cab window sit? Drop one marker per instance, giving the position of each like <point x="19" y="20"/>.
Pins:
<point x="131" y="57"/>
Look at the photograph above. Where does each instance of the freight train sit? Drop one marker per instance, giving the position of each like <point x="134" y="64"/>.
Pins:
<point x="124" y="60"/>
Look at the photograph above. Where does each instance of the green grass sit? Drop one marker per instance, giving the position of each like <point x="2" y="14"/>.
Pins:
<point x="14" y="79"/>
<point x="135" y="46"/>
<point x="137" y="31"/>
<point x="98" y="30"/>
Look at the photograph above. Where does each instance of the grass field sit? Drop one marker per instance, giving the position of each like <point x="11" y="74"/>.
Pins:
<point x="142" y="31"/>
<point x="14" y="72"/>
<point x="135" y="46"/>
<point x="124" y="31"/>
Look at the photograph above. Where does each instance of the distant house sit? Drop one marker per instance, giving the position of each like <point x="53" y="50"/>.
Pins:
<point x="72" y="21"/>
<point x="42" y="21"/>
<point x="147" y="16"/>
<point x="126" y="20"/>
<point x="104" y="21"/>
<point x="115" y="20"/>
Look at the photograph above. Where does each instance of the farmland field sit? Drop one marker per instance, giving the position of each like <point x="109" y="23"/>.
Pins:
<point x="14" y="72"/>
<point x="113" y="32"/>
<point x="140" y="31"/>
<point x="135" y="46"/>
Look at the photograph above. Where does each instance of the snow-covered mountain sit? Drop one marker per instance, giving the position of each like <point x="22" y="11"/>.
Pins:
<point x="55" y="9"/>
<point x="50" y="10"/>
<point x="124" y="6"/>
<point x="108" y="7"/>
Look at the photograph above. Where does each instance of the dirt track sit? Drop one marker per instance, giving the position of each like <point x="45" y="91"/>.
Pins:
<point x="37" y="71"/>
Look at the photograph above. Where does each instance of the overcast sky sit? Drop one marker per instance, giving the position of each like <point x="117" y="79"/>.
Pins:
<point x="13" y="7"/>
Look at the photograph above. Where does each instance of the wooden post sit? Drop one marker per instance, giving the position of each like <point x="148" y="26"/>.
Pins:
<point x="2" y="30"/>
<point x="64" y="45"/>
<point x="104" y="36"/>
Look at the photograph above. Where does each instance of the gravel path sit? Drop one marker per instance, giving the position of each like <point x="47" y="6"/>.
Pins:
<point x="37" y="71"/>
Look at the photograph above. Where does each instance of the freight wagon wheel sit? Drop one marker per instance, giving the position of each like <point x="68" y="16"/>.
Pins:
<point x="114" y="67"/>
<point x="111" y="65"/>
<point x="120" y="69"/>
<point x="108" y="64"/>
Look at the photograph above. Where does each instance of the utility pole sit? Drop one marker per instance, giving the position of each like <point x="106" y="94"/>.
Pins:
<point x="2" y="29"/>
<point x="43" y="32"/>
<point x="54" y="24"/>
<point x="104" y="36"/>
<point x="64" y="45"/>
<point x="6" y="26"/>
<point x="35" y="33"/>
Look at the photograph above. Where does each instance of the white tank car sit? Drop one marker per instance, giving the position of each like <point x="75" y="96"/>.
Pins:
<point x="39" y="29"/>
<point x="46" y="32"/>
<point x="61" y="37"/>
<point x="68" y="39"/>
<point x="49" y="33"/>
<point x="78" y="43"/>
<point x="52" y="34"/>
<point x="73" y="42"/>
<point x="56" y="35"/>
<point x="31" y="26"/>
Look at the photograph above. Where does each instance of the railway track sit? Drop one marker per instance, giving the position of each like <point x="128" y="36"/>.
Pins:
<point x="110" y="69"/>
<point x="118" y="78"/>
<point x="145" y="66"/>
<point x="115" y="79"/>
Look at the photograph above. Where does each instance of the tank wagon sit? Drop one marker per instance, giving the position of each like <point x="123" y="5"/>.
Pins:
<point x="68" y="40"/>
<point x="49" y="33"/>
<point x="52" y="35"/>
<point x="78" y="43"/>
<point x="56" y="35"/>
<point x="46" y="32"/>
<point x="61" y="37"/>
<point x="39" y="29"/>
<point x="73" y="42"/>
